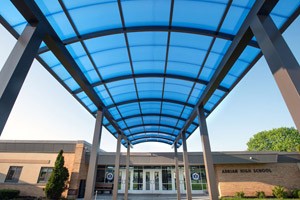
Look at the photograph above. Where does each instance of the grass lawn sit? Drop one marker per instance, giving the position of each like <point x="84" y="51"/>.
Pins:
<point x="234" y="198"/>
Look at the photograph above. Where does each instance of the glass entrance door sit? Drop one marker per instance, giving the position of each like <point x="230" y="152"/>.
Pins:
<point x="152" y="180"/>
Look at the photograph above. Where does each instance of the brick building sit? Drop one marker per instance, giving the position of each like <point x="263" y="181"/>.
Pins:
<point x="26" y="166"/>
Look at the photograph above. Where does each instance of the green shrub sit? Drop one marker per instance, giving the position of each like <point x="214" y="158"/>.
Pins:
<point x="9" y="193"/>
<point x="295" y="193"/>
<point x="260" y="194"/>
<point x="279" y="192"/>
<point x="240" y="194"/>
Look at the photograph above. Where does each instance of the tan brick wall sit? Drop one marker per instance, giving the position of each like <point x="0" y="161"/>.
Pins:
<point x="31" y="163"/>
<point x="78" y="170"/>
<point x="284" y="174"/>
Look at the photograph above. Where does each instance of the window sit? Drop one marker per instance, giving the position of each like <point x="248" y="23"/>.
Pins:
<point x="45" y="174"/>
<point x="166" y="178"/>
<point x="137" y="178"/>
<point x="13" y="174"/>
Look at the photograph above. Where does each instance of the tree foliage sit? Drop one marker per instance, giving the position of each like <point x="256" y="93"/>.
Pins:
<point x="57" y="181"/>
<point x="280" y="139"/>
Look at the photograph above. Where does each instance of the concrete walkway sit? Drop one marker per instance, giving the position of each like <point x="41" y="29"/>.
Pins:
<point x="150" y="197"/>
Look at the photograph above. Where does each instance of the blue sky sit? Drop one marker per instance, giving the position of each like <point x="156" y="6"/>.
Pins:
<point x="44" y="110"/>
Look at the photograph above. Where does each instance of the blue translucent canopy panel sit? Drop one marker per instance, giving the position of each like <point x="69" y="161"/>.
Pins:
<point x="236" y="15"/>
<point x="146" y="13"/>
<point x="214" y="58"/>
<point x="198" y="14"/>
<point x="240" y="66"/>
<point x="12" y="16"/>
<point x="149" y="87"/>
<point x="94" y="15"/>
<point x="148" y="51"/>
<point x="148" y="72"/>
<point x="123" y="90"/>
<point x="57" y="18"/>
<point x="84" y="62"/>
<point x="186" y="53"/>
<point x="177" y="89"/>
<point x="110" y="55"/>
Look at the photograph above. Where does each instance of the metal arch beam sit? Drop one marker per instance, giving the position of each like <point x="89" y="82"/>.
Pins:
<point x="153" y="75"/>
<point x="158" y="115"/>
<point x="237" y="46"/>
<point x="149" y="100"/>
<point x="165" y="142"/>
<point x="177" y="29"/>
<point x="141" y="125"/>
<point x="152" y="138"/>
<point x="32" y="14"/>
<point x="158" y="132"/>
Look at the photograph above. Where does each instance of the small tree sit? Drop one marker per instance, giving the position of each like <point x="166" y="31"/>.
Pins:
<point x="57" y="181"/>
<point x="280" y="139"/>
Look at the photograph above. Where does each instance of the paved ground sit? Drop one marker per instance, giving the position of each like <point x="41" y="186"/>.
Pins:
<point x="149" y="197"/>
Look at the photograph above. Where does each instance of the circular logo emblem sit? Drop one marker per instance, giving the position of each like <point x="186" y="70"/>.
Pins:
<point x="195" y="176"/>
<point x="110" y="176"/>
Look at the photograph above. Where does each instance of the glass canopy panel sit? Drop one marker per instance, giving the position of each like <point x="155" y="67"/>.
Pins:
<point x="240" y="66"/>
<point x="171" y="109"/>
<point x="186" y="112"/>
<point x="111" y="129"/>
<point x="137" y="130"/>
<point x="193" y="48"/>
<point x="115" y="113"/>
<point x="150" y="107"/>
<point x="78" y="53"/>
<point x="213" y="100"/>
<point x="103" y="95"/>
<point x="283" y="10"/>
<point x="146" y="12"/>
<point x="149" y="87"/>
<point x="196" y="93"/>
<point x="133" y="121"/>
<point x="122" y="90"/>
<point x="151" y="128"/>
<point x="214" y="58"/>
<point x="92" y="15"/>
<point x="122" y="124"/>
<point x="177" y="89"/>
<point x="87" y="101"/>
<point x="236" y="15"/>
<point x="148" y="51"/>
<point x="198" y="14"/>
<point x="57" y="18"/>
<point x="129" y="109"/>
<point x="12" y="16"/>
<point x="55" y="66"/>
<point x="151" y="119"/>
<point x="110" y="55"/>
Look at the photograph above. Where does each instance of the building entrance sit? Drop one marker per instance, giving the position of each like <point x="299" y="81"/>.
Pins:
<point x="152" y="180"/>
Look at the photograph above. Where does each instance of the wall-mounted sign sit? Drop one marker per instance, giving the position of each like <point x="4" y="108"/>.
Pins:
<point x="235" y="171"/>
<point x="195" y="176"/>
<point x="110" y="176"/>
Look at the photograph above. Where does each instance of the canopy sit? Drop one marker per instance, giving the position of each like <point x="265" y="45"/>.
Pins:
<point x="148" y="64"/>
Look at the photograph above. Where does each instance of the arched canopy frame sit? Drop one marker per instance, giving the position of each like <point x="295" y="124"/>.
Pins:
<point x="162" y="77"/>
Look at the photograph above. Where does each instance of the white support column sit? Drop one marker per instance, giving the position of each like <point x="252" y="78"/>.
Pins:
<point x="15" y="69"/>
<point x="186" y="168"/>
<point x="127" y="172"/>
<point x="281" y="61"/>
<point x="177" y="172"/>
<point x="207" y="155"/>
<point x="117" y="167"/>
<point x="92" y="171"/>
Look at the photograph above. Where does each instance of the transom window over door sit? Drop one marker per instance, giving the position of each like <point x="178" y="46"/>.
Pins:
<point x="13" y="174"/>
